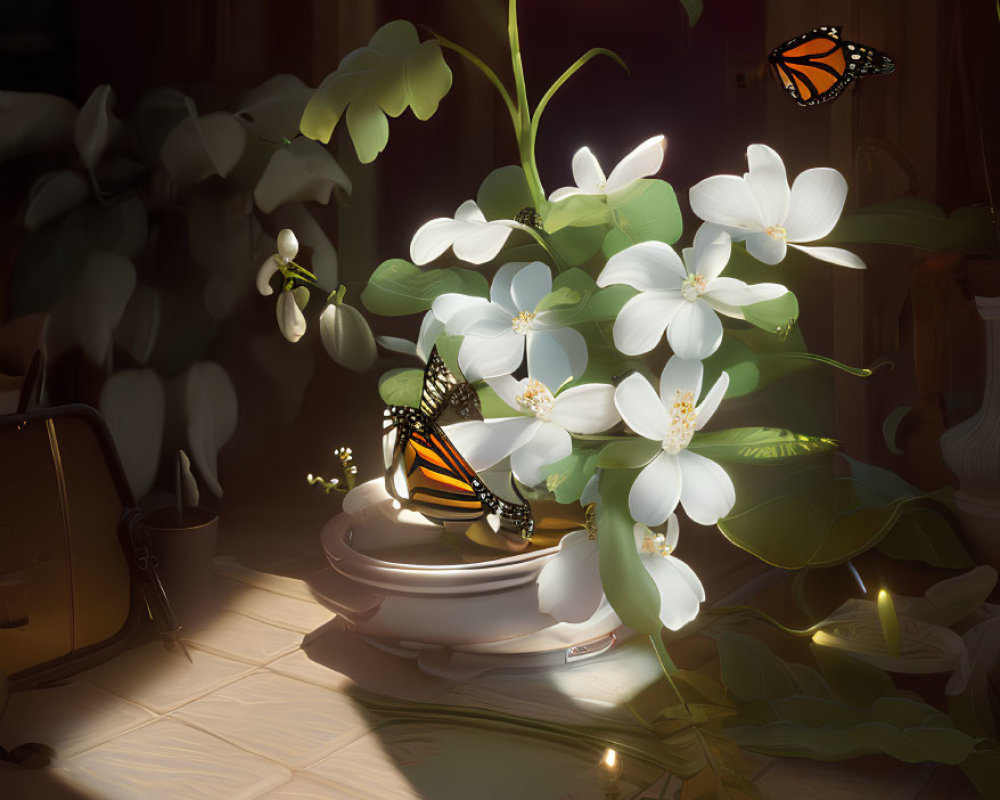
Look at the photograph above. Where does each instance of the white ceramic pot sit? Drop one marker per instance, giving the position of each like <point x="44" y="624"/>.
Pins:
<point x="396" y="584"/>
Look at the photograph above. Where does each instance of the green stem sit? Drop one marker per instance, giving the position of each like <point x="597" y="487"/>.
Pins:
<point x="522" y="123"/>
<point x="763" y="615"/>
<point x="485" y="69"/>
<point x="560" y="265"/>
<point x="592" y="53"/>
<point x="668" y="666"/>
<point x="861" y="372"/>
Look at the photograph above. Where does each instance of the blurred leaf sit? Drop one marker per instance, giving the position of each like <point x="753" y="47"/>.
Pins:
<point x="99" y="302"/>
<point x="393" y="72"/>
<point x="401" y="387"/>
<point x="578" y="210"/>
<point x="95" y="126"/>
<point x="567" y="477"/>
<point x="290" y="369"/>
<point x="188" y="487"/>
<point x="647" y="211"/>
<point x="140" y="323"/>
<point x="347" y="338"/>
<point x="629" y="588"/>
<point x="272" y="110"/>
<point x="157" y="114"/>
<point x="918" y="223"/>
<point x="398" y="287"/>
<point x="890" y="427"/>
<point x="212" y="412"/>
<point x="302" y="170"/>
<point x="982" y="768"/>
<point x="773" y="316"/>
<point x="929" y="536"/>
<point x="54" y="194"/>
<point x="630" y="453"/>
<point x="196" y="149"/>
<point x="950" y="601"/>
<point x="133" y="403"/>
<point x="758" y="444"/>
<point x="121" y="225"/>
<point x="503" y="193"/>
<point x="693" y="9"/>
<point x="32" y="122"/>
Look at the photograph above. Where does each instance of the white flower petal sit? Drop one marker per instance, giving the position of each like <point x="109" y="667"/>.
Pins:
<point x="569" y="585"/>
<point x="642" y="320"/>
<point x="501" y="286"/>
<point x="563" y="193"/>
<point x="726" y="200"/>
<point x="680" y="375"/>
<point x="731" y="293"/>
<point x="673" y="532"/>
<point x="480" y="357"/>
<point x="264" y="275"/>
<point x="508" y="389"/>
<point x="818" y="197"/>
<point x="655" y="493"/>
<point x="396" y="344"/>
<point x="483" y="243"/>
<point x="555" y="355"/>
<point x="430" y="328"/>
<point x="712" y="248"/>
<point x="484" y="443"/>
<point x="288" y="245"/>
<point x="433" y="238"/>
<point x="587" y="172"/>
<point x="766" y="248"/>
<point x="548" y="444"/>
<point x="586" y="409"/>
<point x="469" y="212"/>
<point x="707" y="492"/>
<point x="645" y="160"/>
<point x="707" y="407"/>
<point x="769" y="183"/>
<point x="591" y="491"/>
<point x="695" y="330"/>
<point x="645" y="266"/>
<point x="291" y="321"/>
<point x="529" y="285"/>
<point x="681" y="593"/>
<point x="640" y="407"/>
<point x="835" y="255"/>
<point x="446" y="305"/>
<point x="480" y="318"/>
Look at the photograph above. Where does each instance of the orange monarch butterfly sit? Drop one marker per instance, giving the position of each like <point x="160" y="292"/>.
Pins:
<point x="426" y="473"/>
<point x="818" y="65"/>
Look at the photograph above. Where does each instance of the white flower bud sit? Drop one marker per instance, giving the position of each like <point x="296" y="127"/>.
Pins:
<point x="288" y="245"/>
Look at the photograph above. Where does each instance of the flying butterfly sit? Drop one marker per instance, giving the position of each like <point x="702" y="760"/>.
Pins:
<point x="424" y="470"/>
<point x="818" y="65"/>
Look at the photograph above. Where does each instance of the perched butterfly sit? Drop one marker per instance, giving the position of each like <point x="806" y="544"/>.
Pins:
<point x="426" y="473"/>
<point x="818" y="65"/>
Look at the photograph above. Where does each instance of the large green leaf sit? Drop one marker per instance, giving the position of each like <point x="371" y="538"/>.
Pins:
<point x="756" y="445"/>
<point x="791" y="710"/>
<point x="798" y="514"/>
<point x="401" y="387"/>
<point x="646" y="212"/>
<point x="629" y="588"/>
<point x="567" y="477"/>
<point x="580" y="210"/>
<point x="596" y="305"/>
<point x="395" y="71"/>
<point x="918" y="223"/>
<point x="503" y="193"/>
<point x="398" y="287"/>
<point x="630" y="453"/>
<point x="775" y="316"/>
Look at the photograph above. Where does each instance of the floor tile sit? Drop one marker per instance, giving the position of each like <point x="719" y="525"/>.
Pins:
<point x="276" y="609"/>
<point x="68" y="718"/>
<point x="159" y="677"/>
<point x="301" y="788"/>
<point x="237" y="636"/>
<point x="167" y="760"/>
<point x="51" y="783"/>
<point x="231" y="568"/>
<point x="444" y="762"/>
<point x="281" y="718"/>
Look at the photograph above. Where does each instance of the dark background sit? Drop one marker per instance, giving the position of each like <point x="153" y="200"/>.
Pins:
<point x="930" y="130"/>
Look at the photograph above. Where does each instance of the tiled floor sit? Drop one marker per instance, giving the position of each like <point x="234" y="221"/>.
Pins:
<point x="270" y="706"/>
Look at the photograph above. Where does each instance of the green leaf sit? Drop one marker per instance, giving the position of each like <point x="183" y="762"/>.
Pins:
<point x="736" y="359"/>
<point x="578" y="210"/>
<point x="629" y="453"/>
<point x="950" y="601"/>
<point x="567" y="477"/>
<point x="395" y="71"/>
<point x="401" y="387"/>
<point x="926" y="535"/>
<point x="775" y="316"/>
<point x="503" y="193"/>
<point x="754" y="445"/>
<point x="563" y="298"/>
<point x="576" y="245"/>
<point x="918" y="223"/>
<point x="647" y="211"/>
<point x="629" y="588"/>
<point x="693" y="9"/>
<point x="597" y="305"/>
<point x="398" y="287"/>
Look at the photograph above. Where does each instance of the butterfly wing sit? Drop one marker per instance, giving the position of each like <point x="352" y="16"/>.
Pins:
<point x="819" y="65"/>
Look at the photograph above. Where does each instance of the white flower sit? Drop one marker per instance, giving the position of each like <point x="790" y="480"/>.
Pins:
<point x="470" y="234"/>
<point x="291" y="321"/>
<point x="499" y="330"/>
<point x="430" y="328"/>
<point x="569" y="585"/>
<point x="288" y="248"/>
<point x="645" y="160"/>
<point x="760" y="208"/>
<point x="684" y="302"/>
<point x="671" y="418"/>
<point x="542" y="438"/>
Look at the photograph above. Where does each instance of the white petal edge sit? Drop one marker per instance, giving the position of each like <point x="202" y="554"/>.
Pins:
<point x="695" y="331"/>
<point x="587" y="171"/>
<point x="726" y="200"/>
<point x="769" y="183"/>
<point x="707" y="492"/>
<point x="548" y="444"/>
<point x="647" y="266"/>
<point x="818" y="197"/>
<point x="641" y="409"/>
<point x="680" y="375"/>
<point x="645" y="160"/>
<point x="569" y="585"/>
<point x="833" y="255"/>
<point x="681" y="592"/>
<point x="641" y="322"/>
<point x="707" y="407"/>
<point x="656" y="490"/>
<point x="586" y="409"/>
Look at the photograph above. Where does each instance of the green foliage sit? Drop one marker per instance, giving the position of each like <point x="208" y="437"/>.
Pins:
<point x="774" y="316"/>
<point x="398" y="287"/>
<point x="395" y="71"/>
<point x="792" y="710"/>
<point x="758" y="445"/>
<point x="503" y="193"/>
<point x="693" y="9"/>
<point x="578" y="210"/>
<point x="631" y="453"/>
<point x="647" y="211"/>
<point x="567" y="477"/>
<point x="401" y="387"/>
<point x="629" y="588"/>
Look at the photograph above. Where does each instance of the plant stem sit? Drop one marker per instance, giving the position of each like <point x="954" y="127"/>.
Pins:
<point x="764" y="616"/>
<point x="491" y="76"/>
<point x="522" y="123"/>
<point x="560" y="265"/>
<point x="668" y="666"/>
